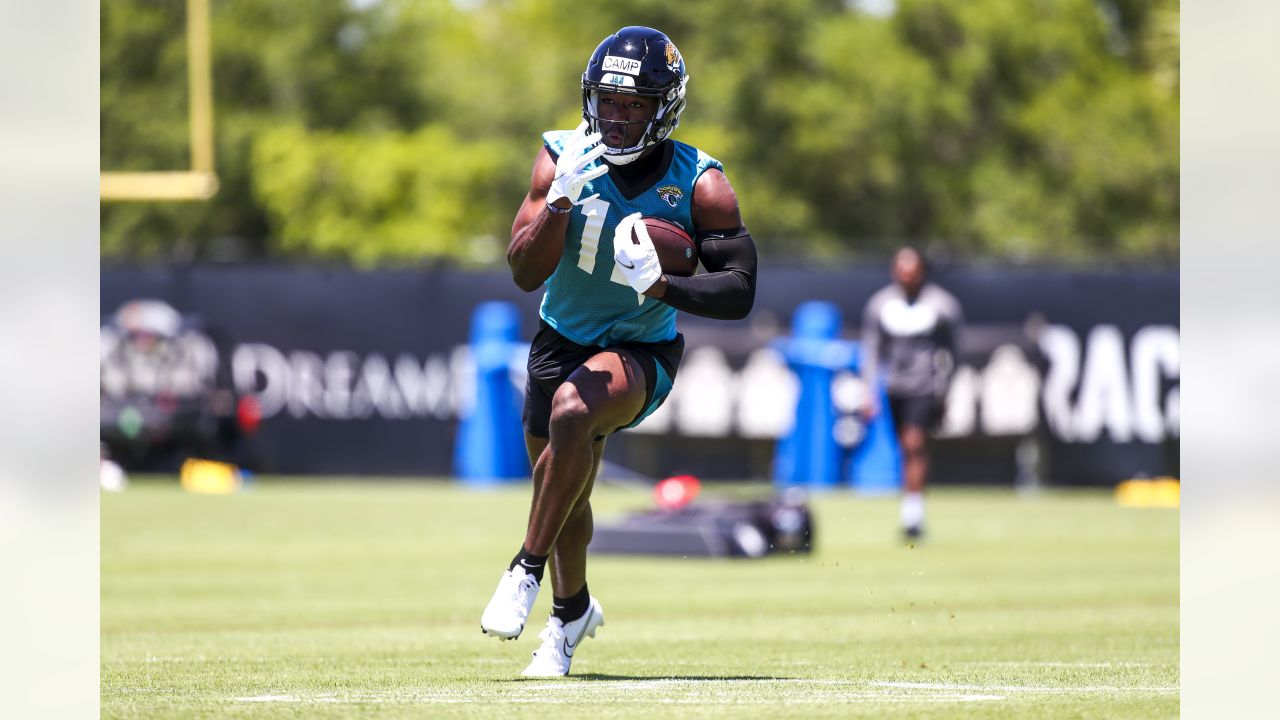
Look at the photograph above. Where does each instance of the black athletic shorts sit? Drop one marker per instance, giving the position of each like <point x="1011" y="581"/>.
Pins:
<point x="922" y="411"/>
<point x="553" y="358"/>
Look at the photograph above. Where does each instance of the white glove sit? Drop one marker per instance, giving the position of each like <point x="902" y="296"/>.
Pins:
<point x="580" y="150"/>
<point x="635" y="256"/>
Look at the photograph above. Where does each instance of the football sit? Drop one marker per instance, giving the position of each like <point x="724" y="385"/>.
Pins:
<point x="677" y="252"/>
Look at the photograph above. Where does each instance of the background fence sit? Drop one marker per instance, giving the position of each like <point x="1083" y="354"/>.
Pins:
<point x="1066" y="376"/>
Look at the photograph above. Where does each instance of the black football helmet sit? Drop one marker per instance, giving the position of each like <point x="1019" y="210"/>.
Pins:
<point x="641" y="61"/>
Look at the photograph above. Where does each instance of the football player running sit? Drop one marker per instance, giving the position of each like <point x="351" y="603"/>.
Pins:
<point x="607" y="349"/>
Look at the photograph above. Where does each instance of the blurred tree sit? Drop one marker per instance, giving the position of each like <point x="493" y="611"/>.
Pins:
<point x="321" y="63"/>
<point x="390" y="196"/>
<point x="400" y="130"/>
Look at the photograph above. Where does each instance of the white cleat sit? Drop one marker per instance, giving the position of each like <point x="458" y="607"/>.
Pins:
<point x="507" y="612"/>
<point x="560" y="642"/>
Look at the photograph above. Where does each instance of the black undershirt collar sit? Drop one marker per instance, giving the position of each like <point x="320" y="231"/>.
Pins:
<point x="634" y="178"/>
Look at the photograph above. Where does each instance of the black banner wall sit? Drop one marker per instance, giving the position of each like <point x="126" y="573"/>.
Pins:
<point x="366" y="372"/>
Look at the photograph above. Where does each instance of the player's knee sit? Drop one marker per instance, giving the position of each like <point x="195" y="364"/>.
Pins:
<point x="570" y="415"/>
<point x="581" y="511"/>
<point x="912" y="440"/>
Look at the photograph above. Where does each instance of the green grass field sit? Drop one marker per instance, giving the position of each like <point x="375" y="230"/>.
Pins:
<point x="345" y="599"/>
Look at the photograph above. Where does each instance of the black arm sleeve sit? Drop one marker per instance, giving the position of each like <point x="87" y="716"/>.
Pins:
<point x="728" y="289"/>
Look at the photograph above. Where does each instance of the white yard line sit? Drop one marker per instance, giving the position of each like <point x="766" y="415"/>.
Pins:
<point x="1052" y="664"/>
<point x="288" y="699"/>
<point x="709" y="699"/>
<point x="701" y="691"/>
<point x="1046" y="689"/>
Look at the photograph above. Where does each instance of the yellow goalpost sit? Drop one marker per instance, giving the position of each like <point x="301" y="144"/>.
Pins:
<point x="200" y="182"/>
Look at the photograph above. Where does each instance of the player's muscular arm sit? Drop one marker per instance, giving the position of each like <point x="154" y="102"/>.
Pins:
<point x="537" y="236"/>
<point x="728" y="290"/>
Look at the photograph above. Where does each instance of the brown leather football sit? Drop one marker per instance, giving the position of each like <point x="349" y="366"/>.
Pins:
<point x="677" y="251"/>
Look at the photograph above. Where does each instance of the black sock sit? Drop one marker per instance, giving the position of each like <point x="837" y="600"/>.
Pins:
<point x="571" y="608"/>
<point x="532" y="564"/>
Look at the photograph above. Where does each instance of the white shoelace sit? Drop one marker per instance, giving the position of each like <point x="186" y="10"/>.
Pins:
<point x="526" y="586"/>
<point x="550" y="636"/>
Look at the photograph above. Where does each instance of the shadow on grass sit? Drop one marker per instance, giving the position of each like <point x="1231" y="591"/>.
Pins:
<point x="665" y="678"/>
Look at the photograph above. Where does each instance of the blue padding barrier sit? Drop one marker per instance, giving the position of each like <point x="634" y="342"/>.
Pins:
<point x="490" y="446"/>
<point x="810" y="454"/>
<point x="875" y="464"/>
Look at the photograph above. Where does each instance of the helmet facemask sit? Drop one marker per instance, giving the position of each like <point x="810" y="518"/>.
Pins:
<point x="671" y="102"/>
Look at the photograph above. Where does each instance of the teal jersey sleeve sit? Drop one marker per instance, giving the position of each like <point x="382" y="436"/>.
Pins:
<point x="554" y="141"/>
<point x="587" y="299"/>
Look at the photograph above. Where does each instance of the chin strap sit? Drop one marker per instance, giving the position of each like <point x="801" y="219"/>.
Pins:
<point x="625" y="158"/>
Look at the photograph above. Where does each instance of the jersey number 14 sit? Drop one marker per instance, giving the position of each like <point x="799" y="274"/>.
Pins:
<point x="596" y="210"/>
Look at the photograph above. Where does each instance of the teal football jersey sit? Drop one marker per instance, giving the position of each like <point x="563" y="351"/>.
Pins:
<point x="587" y="299"/>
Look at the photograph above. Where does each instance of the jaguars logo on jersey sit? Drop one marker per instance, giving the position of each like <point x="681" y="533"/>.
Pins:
<point x="671" y="194"/>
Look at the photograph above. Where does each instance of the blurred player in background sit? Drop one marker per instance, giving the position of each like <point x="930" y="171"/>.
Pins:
<point x="607" y="350"/>
<point x="909" y="335"/>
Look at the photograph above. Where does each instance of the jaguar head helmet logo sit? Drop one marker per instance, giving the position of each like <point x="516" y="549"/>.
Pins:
<point x="673" y="57"/>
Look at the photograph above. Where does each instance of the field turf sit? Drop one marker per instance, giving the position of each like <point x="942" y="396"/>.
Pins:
<point x="362" y="599"/>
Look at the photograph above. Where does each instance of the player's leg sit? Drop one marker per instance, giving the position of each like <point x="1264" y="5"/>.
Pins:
<point x="915" y="458"/>
<point x="575" y="614"/>
<point x="568" y="558"/>
<point x="578" y="615"/>
<point x="551" y="359"/>
<point x="636" y="380"/>
<point x="915" y="469"/>
<point x="535" y="446"/>
<point x="607" y="393"/>
<point x="508" y="610"/>
<point x="604" y="392"/>
<point x="569" y="555"/>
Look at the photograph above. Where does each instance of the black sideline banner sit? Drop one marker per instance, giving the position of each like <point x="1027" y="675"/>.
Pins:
<point x="1066" y="376"/>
